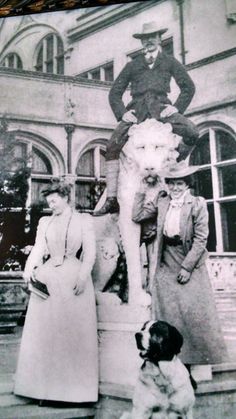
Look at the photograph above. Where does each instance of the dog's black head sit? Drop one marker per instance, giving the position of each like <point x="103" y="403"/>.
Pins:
<point x="158" y="341"/>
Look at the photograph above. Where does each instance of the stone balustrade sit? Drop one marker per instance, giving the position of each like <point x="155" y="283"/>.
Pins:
<point x="222" y="271"/>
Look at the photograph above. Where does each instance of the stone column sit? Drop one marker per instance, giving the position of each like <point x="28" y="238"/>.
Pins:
<point x="70" y="128"/>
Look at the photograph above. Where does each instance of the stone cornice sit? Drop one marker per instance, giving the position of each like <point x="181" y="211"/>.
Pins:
<point x="95" y="20"/>
<point x="212" y="107"/>
<point x="34" y="75"/>
<point x="211" y="59"/>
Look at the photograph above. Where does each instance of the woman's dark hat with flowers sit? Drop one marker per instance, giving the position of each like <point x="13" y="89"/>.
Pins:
<point x="57" y="185"/>
<point x="178" y="170"/>
<point x="148" y="29"/>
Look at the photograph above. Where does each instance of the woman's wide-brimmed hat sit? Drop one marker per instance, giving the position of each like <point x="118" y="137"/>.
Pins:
<point x="179" y="170"/>
<point x="149" y="28"/>
<point x="57" y="185"/>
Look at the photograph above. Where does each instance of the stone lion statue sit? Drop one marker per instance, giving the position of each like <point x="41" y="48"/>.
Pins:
<point x="151" y="146"/>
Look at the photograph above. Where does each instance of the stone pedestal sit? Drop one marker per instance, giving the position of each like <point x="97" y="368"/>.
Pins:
<point x="119" y="359"/>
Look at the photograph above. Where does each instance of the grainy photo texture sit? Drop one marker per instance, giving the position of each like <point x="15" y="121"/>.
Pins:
<point x="117" y="209"/>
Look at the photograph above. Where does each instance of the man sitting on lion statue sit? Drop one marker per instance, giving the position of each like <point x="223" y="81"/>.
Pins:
<point x="149" y="76"/>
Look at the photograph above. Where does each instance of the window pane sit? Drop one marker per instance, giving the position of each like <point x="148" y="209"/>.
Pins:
<point x="39" y="66"/>
<point x="37" y="186"/>
<point x="88" y="193"/>
<point x="203" y="184"/>
<point x="83" y="197"/>
<point x="228" y="213"/>
<point x="201" y="154"/>
<point x="227" y="180"/>
<point x="211" y="242"/>
<point x="40" y="163"/>
<point x="60" y="49"/>
<point x="85" y="165"/>
<point x="226" y="146"/>
<point x="102" y="163"/>
<point x="96" y="74"/>
<point x="60" y="65"/>
<point x="109" y="74"/>
<point x="84" y="75"/>
<point x="19" y="63"/>
<point x="11" y="60"/>
<point x="49" y="48"/>
<point x="49" y="67"/>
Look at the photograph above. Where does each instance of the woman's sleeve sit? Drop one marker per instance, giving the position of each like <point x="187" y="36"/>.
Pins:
<point x="143" y="210"/>
<point x="88" y="244"/>
<point x="200" y="234"/>
<point x="39" y="249"/>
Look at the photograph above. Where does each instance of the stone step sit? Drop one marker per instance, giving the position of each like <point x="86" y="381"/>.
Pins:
<point x="7" y="327"/>
<point x="224" y="372"/>
<point x="36" y="412"/>
<point x="6" y="383"/>
<point x="7" y="400"/>
<point x="8" y="313"/>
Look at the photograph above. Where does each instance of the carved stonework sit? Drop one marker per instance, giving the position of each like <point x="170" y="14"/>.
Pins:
<point x="14" y="298"/>
<point x="13" y="293"/>
<point x="222" y="271"/>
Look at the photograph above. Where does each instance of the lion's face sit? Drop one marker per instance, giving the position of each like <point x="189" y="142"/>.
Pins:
<point x="151" y="145"/>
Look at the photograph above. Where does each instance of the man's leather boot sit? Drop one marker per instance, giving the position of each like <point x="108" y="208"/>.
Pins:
<point x="110" y="206"/>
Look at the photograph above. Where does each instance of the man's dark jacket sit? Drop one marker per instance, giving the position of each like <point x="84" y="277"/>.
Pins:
<point x="149" y="87"/>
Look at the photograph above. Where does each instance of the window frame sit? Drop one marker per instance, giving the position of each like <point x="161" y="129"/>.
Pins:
<point x="211" y="129"/>
<point x="98" y="147"/>
<point x="88" y="74"/>
<point x="17" y="61"/>
<point x="52" y="59"/>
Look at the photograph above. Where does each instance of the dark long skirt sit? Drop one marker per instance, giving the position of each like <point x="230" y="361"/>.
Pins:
<point x="190" y="308"/>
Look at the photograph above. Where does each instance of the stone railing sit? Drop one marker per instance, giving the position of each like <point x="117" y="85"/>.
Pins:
<point x="222" y="271"/>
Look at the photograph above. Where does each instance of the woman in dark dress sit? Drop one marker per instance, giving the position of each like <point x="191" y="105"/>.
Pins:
<point x="182" y="294"/>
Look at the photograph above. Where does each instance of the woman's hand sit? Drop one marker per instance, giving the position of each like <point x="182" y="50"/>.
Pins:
<point x="26" y="277"/>
<point x="183" y="277"/>
<point x="80" y="285"/>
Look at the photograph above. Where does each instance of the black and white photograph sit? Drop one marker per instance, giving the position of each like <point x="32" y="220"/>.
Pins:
<point x="118" y="209"/>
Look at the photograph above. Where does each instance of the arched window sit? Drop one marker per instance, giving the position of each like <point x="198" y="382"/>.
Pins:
<point x="216" y="181"/>
<point x="90" y="173"/>
<point x="50" y="57"/>
<point x="41" y="173"/>
<point x="12" y="60"/>
<point x="40" y="168"/>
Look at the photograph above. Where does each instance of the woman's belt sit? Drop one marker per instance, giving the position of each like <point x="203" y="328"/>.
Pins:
<point x="173" y="241"/>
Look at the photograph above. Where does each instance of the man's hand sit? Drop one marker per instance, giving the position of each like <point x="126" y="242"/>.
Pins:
<point x="129" y="117"/>
<point x="183" y="277"/>
<point x="168" y="111"/>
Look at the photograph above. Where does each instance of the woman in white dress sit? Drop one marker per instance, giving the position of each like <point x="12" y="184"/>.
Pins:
<point x="58" y="353"/>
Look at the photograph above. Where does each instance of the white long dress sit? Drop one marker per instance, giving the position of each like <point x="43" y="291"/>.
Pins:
<point x="58" y="353"/>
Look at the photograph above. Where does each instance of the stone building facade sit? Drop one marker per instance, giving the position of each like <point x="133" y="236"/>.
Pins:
<point x="56" y="70"/>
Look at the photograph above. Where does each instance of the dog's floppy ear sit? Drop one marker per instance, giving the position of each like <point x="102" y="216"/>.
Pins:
<point x="176" y="339"/>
